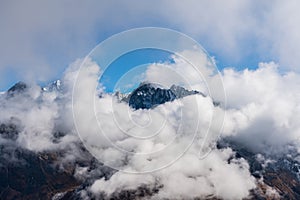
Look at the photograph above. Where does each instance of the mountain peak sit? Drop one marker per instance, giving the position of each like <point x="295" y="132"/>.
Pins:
<point x="17" y="88"/>
<point x="54" y="86"/>
<point x="149" y="95"/>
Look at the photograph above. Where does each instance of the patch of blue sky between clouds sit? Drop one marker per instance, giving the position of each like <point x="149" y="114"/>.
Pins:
<point x="112" y="49"/>
<point x="126" y="72"/>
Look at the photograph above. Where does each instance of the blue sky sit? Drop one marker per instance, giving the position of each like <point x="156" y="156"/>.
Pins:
<point x="40" y="39"/>
<point x="138" y="58"/>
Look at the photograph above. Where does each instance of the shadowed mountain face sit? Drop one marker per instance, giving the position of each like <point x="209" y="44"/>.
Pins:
<point x="17" y="89"/>
<point x="148" y="95"/>
<point x="30" y="175"/>
<point x="25" y="174"/>
<point x="35" y="177"/>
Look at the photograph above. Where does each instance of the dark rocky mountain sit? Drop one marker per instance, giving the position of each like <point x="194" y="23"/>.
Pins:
<point x="29" y="175"/>
<point x="149" y="95"/>
<point x="26" y="174"/>
<point x="18" y="88"/>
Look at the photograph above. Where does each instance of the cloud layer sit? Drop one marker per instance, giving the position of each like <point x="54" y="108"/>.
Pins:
<point x="237" y="32"/>
<point x="261" y="113"/>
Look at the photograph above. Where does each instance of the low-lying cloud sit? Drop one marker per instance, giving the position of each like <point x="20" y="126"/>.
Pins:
<point x="261" y="113"/>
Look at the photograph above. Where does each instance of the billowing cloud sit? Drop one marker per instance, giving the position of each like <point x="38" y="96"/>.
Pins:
<point x="263" y="107"/>
<point x="261" y="113"/>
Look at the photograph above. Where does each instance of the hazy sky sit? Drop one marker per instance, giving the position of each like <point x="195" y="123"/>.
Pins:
<point x="39" y="39"/>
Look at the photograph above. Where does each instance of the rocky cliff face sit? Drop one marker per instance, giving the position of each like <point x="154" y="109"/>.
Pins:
<point x="148" y="95"/>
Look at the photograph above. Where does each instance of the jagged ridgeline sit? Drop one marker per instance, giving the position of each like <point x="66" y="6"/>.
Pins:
<point x="149" y="95"/>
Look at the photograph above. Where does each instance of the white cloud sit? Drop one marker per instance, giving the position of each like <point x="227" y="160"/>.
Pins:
<point x="176" y="123"/>
<point x="190" y="177"/>
<point x="192" y="69"/>
<point x="263" y="107"/>
<point x="262" y="113"/>
<point x="37" y="36"/>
